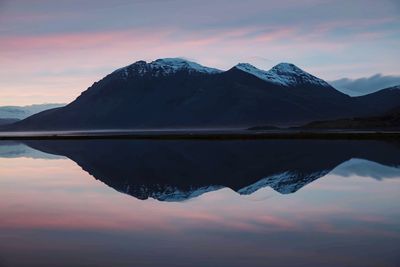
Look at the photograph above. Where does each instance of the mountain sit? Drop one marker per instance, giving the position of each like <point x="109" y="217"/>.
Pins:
<point x="379" y="102"/>
<point x="177" y="170"/>
<point x="389" y="121"/>
<point x="386" y="120"/>
<point x="5" y="121"/>
<point x="22" y="112"/>
<point x="284" y="74"/>
<point x="176" y="93"/>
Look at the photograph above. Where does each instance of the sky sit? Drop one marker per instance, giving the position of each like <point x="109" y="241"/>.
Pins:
<point x="51" y="51"/>
<point x="366" y="85"/>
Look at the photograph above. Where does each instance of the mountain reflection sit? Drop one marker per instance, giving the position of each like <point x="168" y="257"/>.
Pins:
<point x="178" y="170"/>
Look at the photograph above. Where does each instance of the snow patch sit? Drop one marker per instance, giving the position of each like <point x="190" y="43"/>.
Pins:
<point x="164" y="67"/>
<point x="262" y="74"/>
<point x="293" y="75"/>
<point x="285" y="182"/>
<point x="284" y="74"/>
<point x="173" y="195"/>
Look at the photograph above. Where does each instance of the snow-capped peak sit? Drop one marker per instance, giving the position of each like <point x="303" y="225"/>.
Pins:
<point x="286" y="68"/>
<point x="292" y="75"/>
<point x="165" y="66"/>
<point x="284" y="74"/>
<point x="262" y="74"/>
<point x="176" y="64"/>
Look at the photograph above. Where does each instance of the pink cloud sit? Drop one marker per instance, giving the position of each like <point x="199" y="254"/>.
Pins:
<point x="57" y="67"/>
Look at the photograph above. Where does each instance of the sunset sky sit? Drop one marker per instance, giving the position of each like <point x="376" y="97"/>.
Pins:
<point x="50" y="51"/>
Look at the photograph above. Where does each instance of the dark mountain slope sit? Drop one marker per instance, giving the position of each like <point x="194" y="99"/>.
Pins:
<point x="5" y="121"/>
<point x="388" y="121"/>
<point x="379" y="102"/>
<point x="174" y="93"/>
<point x="130" y="98"/>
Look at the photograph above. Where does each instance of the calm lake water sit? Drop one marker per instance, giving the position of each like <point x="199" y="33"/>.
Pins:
<point x="200" y="203"/>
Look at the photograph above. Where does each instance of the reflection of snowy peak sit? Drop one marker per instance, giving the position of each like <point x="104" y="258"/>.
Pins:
<point x="167" y="193"/>
<point x="164" y="67"/>
<point x="176" y="170"/>
<point x="284" y="74"/>
<point x="285" y="183"/>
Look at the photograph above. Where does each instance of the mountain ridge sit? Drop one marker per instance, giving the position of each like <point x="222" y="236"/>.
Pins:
<point x="164" y="66"/>
<point x="178" y="93"/>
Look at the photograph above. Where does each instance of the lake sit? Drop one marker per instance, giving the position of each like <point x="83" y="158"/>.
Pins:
<point x="200" y="203"/>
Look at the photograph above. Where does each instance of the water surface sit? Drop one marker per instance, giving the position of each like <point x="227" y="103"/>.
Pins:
<point x="200" y="203"/>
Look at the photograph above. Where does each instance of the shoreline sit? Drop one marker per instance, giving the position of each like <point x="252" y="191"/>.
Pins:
<point x="201" y="135"/>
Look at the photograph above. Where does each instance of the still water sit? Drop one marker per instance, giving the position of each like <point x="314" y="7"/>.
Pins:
<point x="200" y="203"/>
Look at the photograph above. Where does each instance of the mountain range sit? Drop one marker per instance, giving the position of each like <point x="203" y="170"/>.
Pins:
<point x="176" y="93"/>
<point x="22" y="112"/>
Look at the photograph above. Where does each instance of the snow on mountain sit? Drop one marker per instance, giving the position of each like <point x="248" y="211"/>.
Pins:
<point x="291" y="75"/>
<point x="285" y="183"/>
<point x="284" y="74"/>
<point x="176" y="195"/>
<point x="169" y="193"/>
<point x="164" y="67"/>
<point x="262" y="74"/>
<point x="176" y="64"/>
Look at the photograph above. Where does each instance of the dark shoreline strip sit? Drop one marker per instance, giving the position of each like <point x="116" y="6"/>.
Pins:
<point x="214" y="136"/>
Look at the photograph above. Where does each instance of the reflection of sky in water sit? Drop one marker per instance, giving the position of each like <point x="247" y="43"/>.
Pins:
<point x="11" y="149"/>
<point x="51" y="209"/>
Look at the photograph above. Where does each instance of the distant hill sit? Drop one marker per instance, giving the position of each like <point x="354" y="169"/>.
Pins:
<point x="175" y="93"/>
<point x="22" y="112"/>
<point x="388" y="120"/>
<point x="5" y="121"/>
